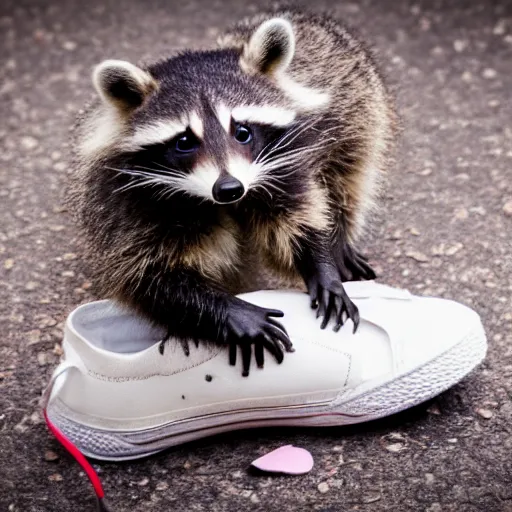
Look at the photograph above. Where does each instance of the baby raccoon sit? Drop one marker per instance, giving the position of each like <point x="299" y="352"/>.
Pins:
<point x="278" y="138"/>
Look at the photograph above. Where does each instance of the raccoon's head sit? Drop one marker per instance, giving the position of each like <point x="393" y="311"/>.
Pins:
<point x="212" y="125"/>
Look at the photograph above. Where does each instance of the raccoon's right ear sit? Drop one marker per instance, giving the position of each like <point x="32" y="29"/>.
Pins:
<point x="270" y="49"/>
<point x="122" y="84"/>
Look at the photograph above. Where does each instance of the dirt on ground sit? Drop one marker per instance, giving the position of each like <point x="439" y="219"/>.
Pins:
<point x="445" y="229"/>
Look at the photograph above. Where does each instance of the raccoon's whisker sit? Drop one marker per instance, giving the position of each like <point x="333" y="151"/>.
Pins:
<point x="298" y="130"/>
<point x="294" y="152"/>
<point x="166" y="193"/>
<point x="274" y="145"/>
<point x="290" y="156"/>
<point x="176" y="171"/>
<point x="264" y="186"/>
<point x="148" y="179"/>
<point x="134" y="172"/>
<point x="294" y="133"/>
<point x="257" y="186"/>
<point x="149" y="170"/>
<point x="272" y="154"/>
<point x="135" y="184"/>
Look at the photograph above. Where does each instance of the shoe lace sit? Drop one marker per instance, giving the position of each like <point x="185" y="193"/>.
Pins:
<point x="71" y="448"/>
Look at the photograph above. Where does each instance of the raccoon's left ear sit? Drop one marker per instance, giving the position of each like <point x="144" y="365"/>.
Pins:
<point x="270" y="49"/>
<point x="122" y="84"/>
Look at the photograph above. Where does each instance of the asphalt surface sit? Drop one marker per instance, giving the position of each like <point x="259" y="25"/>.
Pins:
<point x="445" y="229"/>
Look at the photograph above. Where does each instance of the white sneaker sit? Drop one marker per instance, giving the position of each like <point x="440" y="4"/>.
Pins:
<point x="116" y="397"/>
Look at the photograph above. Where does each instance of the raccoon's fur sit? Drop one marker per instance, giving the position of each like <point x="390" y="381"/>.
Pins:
<point x="279" y="139"/>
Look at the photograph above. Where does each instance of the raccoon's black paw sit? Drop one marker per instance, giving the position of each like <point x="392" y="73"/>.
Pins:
<point x="331" y="301"/>
<point x="352" y="265"/>
<point x="360" y="268"/>
<point x="248" y="325"/>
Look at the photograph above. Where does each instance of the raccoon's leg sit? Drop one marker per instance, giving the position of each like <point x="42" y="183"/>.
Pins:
<point x="351" y="264"/>
<point x="315" y="262"/>
<point x="183" y="301"/>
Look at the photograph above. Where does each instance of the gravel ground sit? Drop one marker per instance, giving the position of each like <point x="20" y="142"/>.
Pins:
<point x="445" y="229"/>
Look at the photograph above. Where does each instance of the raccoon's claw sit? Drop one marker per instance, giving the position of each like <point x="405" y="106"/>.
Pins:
<point x="249" y="325"/>
<point x="183" y="342"/>
<point x="352" y="265"/>
<point x="332" y="301"/>
<point x="361" y="269"/>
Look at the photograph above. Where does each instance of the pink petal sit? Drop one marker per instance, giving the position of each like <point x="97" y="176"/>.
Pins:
<point x="287" y="459"/>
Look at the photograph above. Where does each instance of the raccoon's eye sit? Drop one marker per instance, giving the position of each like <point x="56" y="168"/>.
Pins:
<point x="186" y="143"/>
<point x="243" y="134"/>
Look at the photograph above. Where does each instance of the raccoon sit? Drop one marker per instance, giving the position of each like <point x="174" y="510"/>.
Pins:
<point x="277" y="138"/>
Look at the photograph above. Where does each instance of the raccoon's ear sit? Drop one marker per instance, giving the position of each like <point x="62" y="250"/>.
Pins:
<point x="270" y="49"/>
<point x="122" y="84"/>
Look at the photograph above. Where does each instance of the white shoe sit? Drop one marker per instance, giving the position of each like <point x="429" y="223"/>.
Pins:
<point x="116" y="397"/>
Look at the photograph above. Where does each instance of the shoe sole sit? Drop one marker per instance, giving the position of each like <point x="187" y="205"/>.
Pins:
<point x="400" y="393"/>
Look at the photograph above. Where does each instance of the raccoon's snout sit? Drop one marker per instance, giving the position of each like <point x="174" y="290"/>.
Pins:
<point x="227" y="189"/>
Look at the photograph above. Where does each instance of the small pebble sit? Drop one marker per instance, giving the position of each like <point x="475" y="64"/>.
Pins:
<point x="484" y="413"/>
<point x="371" y="498"/>
<point x="489" y="73"/>
<point x="56" y="477"/>
<point x="434" y="409"/>
<point x="450" y="251"/>
<point x="499" y="29"/>
<point x="461" y="213"/>
<point x="417" y="256"/>
<point x="507" y="208"/>
<point x="323" y="487"/>
<point x="46" y="321"/>
<point x="8" y="264"/>
<point x="42" y="359"/>
<point x="460" y="45"/>
<point x="466" y="77"/>
<point x="395" y="447"/>
<point x="33" y="336"/>
<point x="29" y="142"/>
<point x="69" y="46"/>
<point x="50" y="456"/>
<point x="479" y="210"/>
<point x="162" y="486"/>
<point x="429" y="478"/>
<point x="57" y="350"/>
<point x="143" y="482"/>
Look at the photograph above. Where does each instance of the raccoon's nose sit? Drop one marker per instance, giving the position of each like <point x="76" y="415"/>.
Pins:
<point x="227" y="190"/>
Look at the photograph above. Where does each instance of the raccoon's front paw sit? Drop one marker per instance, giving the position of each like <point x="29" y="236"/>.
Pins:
<point x="248" y="325"/>
<point x="331" y="300"/>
